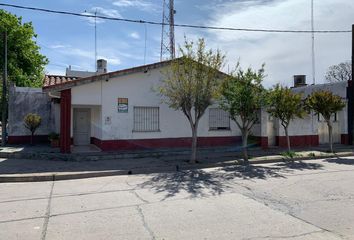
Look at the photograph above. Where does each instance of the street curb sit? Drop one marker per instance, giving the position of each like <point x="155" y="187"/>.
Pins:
<point x="81" y="175"/>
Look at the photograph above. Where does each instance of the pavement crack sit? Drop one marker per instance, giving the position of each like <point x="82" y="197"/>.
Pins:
<point x="47" y="213"/>
<point x="139" y="197"/>
<point x="147" y="228"/>
<point x="284" y="237"/>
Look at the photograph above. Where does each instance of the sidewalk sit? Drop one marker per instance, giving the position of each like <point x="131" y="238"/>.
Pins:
<point x="19" y="170"/>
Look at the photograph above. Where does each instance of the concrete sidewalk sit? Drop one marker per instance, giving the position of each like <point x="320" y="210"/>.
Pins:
<point x="23" y="170"/>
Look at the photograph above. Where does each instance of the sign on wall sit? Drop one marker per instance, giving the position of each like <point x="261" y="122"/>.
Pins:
<point x="122" y="105"/>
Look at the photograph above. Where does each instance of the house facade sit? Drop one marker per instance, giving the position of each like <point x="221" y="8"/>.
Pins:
<point x="121" y="111"/>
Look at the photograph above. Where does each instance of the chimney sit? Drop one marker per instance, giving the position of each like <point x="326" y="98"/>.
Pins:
<point x="101" y="66"/>
<point x="299" y="80"/>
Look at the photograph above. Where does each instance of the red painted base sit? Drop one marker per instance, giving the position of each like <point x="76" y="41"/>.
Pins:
<point x="263" y="142"/>
<point x="27" y="139"/>
<point x="344" y="139"/>
<point x="298" y="141"/>
<point x="113" y="145"/>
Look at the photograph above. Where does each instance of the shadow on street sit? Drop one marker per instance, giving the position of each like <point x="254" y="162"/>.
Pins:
<point x="338" y="160"/>
<point x="197" y="182"/>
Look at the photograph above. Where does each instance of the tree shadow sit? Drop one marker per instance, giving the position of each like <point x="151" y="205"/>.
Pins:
<point x="338" y="160"/>
<point x="194" y="182"/>
<point x="198" y="183"/>
<point x="299" y="165"/>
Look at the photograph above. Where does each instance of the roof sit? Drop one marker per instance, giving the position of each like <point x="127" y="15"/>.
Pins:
<point x="58" y="83"/>
<point x="52" y="80"/>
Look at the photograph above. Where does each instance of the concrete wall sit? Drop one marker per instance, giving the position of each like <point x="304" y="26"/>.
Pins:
<point x="29" y="100"/>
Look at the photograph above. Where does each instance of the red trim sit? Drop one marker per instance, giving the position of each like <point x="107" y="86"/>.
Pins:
<point x="344" y="139"/>
<point x="298" y="141"/>
<point x="111" y="145"/>
<point x="263" y="141"/>
<point x="27" y="139"/>
<point x="65" y="119"/>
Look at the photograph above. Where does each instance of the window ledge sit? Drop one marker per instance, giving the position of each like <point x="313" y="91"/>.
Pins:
<point x="219" y="130"/>
<point x="135" y="131"/>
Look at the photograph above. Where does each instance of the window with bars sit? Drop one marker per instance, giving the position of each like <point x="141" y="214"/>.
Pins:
<point x="218" y="119"/>
<point x="146" y="119"/>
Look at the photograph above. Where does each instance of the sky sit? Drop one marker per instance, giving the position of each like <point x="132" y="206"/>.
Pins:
<point x="69" y="40"/>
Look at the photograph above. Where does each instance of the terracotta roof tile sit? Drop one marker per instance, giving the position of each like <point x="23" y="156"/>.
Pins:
<point x="52" y="80"/>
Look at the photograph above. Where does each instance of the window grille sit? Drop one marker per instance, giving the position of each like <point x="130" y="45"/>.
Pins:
<point x="146" y="119"/>
<point x="218" y="119"/>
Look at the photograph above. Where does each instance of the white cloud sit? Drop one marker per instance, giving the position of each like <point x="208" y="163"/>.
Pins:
<point x="138" y="4"/>
<point x="56" y="46"/>
<point x="135" y="35"/>
<point x="285" y="54"/>
<point x="100" y="12"/>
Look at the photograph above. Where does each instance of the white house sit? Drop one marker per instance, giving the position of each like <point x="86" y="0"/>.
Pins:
<point x="121" y="111"/>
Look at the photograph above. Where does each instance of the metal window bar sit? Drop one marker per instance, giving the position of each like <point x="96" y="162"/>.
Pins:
<point x="146" y="119"/>
<point x="218" y="119"/>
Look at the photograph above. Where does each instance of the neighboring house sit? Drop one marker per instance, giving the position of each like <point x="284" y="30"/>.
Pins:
<point x="121" y="111"/>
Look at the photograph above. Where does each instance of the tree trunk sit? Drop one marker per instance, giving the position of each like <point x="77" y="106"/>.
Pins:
<point x="287" y="138"/>
<point x="193" y="159"/>
<point x="32" y="138"/>
<point x="244" y="146"/>
<point x="330" y="133"/>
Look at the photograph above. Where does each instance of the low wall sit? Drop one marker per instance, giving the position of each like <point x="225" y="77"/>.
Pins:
<point x="23" y="100"/>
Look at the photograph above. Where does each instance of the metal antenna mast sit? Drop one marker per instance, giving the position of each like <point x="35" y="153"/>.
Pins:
<point x="168" y="31"/>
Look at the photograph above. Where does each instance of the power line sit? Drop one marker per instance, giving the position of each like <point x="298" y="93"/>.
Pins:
<point x="175" y="25"/>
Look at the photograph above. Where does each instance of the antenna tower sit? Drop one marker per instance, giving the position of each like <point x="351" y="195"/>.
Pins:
<point x="168" y="31"/>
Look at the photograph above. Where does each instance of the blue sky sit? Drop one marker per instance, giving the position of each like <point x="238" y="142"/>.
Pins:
<point x="69" y="40"/>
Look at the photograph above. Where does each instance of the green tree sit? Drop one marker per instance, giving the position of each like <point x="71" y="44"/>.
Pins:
<point x="25" y="63"/>
<point x="32" y="122"/>
<point x="285" y="105"/>
<point x="325" y="103"/>
<point x="242" y="96"/>
<point x="191" y="82"/>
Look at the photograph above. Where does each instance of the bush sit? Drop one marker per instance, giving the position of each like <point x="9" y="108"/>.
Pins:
<point x="53" y="136"/>
<point x="32" y="121"/>
<point x="289" y="154"/>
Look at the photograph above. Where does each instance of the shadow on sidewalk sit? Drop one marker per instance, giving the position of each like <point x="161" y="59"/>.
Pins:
<point x="198" y="183"/>
<point x="338" y="160"/>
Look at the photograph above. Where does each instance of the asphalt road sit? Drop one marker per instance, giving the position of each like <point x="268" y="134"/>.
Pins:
<point x="307" y="200"/>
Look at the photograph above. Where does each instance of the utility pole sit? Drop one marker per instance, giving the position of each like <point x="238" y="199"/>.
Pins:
<point x="351" y="101"/>
<point x="313" y="46"/>
<point x="96" y="40"/>
<point x="4" y="95"/>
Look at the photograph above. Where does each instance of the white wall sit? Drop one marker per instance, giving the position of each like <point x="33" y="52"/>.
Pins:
<point x="138" y="88"/>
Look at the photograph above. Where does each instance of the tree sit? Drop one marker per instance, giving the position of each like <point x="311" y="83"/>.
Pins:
<point x="242" y="96"/>
<point x="286" y="106"/>
<point x="340" y="72"/>
<point x="191" y="82"/>
<point x="25" y="63"/>
<point x="32" y="122"/>
<point x="325" y="103"/>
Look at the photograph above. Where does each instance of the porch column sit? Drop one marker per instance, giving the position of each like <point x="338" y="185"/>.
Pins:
<point x="65" y="119"/>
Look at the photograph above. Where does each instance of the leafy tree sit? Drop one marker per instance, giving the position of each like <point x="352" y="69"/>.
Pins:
<point x="242" y="95"/>
<point x="286" y="106"/>
<point x="340" y="72"/>
<point x="191" y="82"/>
<point x="325" y="103"/>
<point x="32" y="122"/>
<point x="25" y="63"/>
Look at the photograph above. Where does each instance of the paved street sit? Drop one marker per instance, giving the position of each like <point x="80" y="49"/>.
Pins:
<point x="306" y="200"/>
